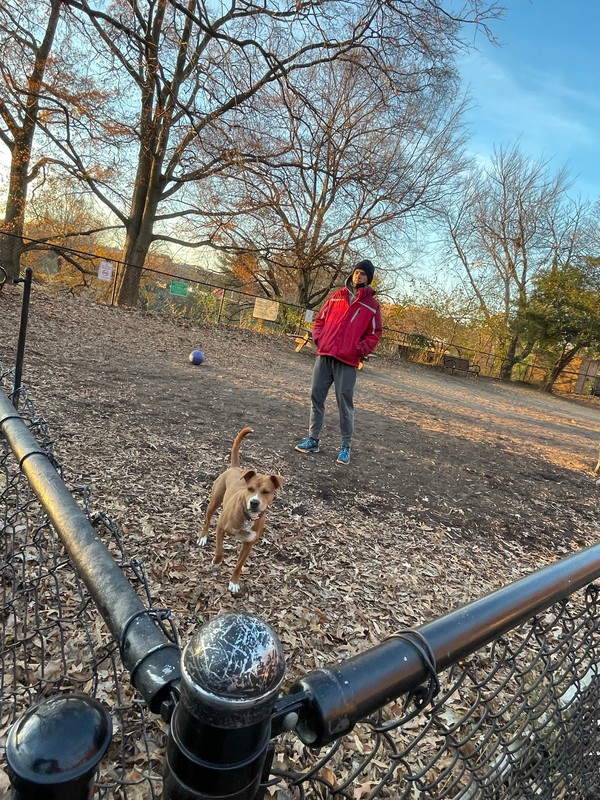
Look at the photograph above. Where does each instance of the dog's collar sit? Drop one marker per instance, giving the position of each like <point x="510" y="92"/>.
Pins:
<point x="248" y="515"/>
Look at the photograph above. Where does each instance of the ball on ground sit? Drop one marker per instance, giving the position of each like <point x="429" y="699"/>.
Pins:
<point x="196" y="357"/>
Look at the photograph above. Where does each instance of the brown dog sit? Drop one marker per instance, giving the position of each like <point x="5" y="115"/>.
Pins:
<point x="245" y="496"/>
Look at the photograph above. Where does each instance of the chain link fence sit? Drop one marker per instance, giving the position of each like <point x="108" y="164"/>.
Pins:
<point x="518" y="719"/>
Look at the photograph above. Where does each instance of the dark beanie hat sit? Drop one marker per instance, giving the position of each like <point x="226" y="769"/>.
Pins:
<point x="367" y="268"/>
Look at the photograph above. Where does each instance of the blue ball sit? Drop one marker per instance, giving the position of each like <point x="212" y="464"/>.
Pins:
<point x="196" y="357"/>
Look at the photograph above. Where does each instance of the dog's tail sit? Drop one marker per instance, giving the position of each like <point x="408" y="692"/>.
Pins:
<point x="235" y="450"/>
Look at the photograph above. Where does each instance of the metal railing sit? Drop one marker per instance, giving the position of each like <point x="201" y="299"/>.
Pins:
<point x="52" y="639"/>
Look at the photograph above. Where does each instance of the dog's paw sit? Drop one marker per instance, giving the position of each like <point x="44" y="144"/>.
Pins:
<point x="202" y="541"/>
<point x="217" y="560"/>
<point x="234" y="588"/>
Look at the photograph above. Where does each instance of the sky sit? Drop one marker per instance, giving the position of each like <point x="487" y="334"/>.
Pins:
<point x="540" y="88"/>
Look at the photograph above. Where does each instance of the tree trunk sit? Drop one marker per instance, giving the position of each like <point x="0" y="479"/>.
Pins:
<point x="155" y="127"/>
<point x="560" y="365"/>
<point x="11" y="246"/>
<point x="509" y="360"/>
<point x="304" y="289"/>
<point x="135" y="252"/>
<point x="144" y="205"/>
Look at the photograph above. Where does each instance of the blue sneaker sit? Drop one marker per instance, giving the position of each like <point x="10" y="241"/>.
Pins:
<point x="344" y="456"/>
<point x="309" y="445"/>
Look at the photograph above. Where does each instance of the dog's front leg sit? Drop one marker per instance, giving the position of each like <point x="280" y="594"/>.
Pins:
<point x="234" y="583"/>
<point x="203" y="538"/>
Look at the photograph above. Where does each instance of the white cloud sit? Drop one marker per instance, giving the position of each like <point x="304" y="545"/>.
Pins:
<point x="544" y="110"/>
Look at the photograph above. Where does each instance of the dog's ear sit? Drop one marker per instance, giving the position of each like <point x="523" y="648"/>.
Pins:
<point x="277" y="481"/>
<point x="248" y="474"/>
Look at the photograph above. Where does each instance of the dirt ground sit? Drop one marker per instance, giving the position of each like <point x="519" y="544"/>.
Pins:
<point x="456" y="485"/>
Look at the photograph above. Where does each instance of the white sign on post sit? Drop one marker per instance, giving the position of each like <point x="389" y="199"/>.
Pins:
<point x="105" y="271"/>
<point x="309" y="315"/>
<point x="265" y="309"/>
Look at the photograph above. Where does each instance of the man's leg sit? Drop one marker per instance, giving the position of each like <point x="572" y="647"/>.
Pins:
<point x="322" y="379"/>
<point x="345" y="381"/>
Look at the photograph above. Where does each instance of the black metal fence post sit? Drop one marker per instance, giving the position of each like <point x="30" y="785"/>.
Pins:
<point x="115" y="285"/>
<point x="53" y="750"/>
<point x="26" y="281"/>
<point x="232" y="670"/>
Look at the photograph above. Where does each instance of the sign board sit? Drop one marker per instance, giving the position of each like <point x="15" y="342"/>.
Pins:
<point x="178" y="287"/>
<point x="265" y="309"/>
<point x="309" y="315"/>
<point x="105" y="271"/>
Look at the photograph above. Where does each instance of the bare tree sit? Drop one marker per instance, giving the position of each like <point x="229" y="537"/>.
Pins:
<point x="512" y="219"/>
<point x="344" y="161"/>
<point x="27" y="31"/>
<point x="185" y="72"/>
<point x="43" y="70"/>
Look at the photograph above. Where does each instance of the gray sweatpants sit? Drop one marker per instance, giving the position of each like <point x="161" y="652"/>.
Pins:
<point x="328" y="370"/>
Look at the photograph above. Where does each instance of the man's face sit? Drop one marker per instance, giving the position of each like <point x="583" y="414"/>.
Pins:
<point x="359" y="277"/>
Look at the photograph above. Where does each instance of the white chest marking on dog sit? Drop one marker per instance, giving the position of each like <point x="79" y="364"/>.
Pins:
<point x="245" y="533"/>
<point x="250" y="535"/>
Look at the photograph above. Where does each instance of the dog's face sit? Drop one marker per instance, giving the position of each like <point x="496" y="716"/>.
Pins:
<point x="259" y="490"/>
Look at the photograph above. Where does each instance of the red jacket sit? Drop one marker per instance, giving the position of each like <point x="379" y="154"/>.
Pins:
<point x="348" y="331"/>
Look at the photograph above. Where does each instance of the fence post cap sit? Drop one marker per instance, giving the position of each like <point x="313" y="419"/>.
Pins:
<point x="58" y="740"/>
<point x="234" y="657"/>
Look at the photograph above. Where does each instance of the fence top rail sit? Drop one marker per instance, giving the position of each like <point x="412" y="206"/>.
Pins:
<point x="340" y="695"/>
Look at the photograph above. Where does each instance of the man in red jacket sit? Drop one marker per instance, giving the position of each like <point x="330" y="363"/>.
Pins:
<point x="346" y="330"/>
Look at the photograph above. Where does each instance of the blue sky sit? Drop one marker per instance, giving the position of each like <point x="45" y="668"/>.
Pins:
<point x="541" y="87"/>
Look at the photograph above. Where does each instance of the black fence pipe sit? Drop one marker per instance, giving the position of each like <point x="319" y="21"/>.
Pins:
<point x="152" y="660"/>
<point x="341" y="695"/>
<point x="26" y="281"/>
<point x="219" y="740"/>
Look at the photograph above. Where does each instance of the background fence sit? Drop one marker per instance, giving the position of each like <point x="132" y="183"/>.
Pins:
<point x="499" y="699"/>
<point x="205" y="302"/>
<point x="184" y="294"/>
